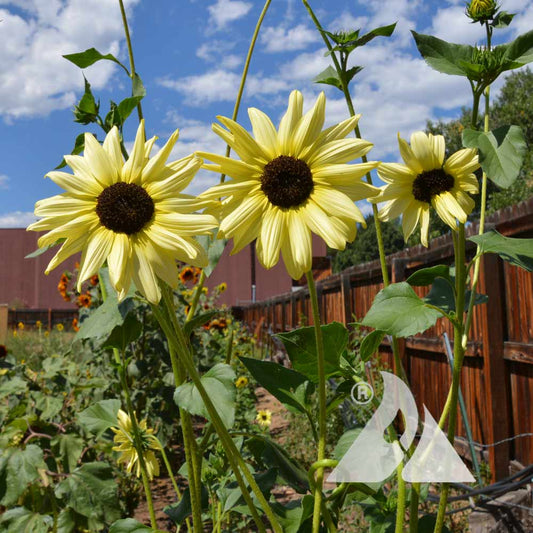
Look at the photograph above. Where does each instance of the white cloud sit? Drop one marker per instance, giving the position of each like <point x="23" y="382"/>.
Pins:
<point x="223" y="12"/>
<point x="3" y="181"/>
<point x="35" y="79"/>
<point x="199" y="90"/>
<point x="17" y="219"/>
<point x="219" y="52"/>
<point x="280" y="39"/>
<point x="452" y="25"/>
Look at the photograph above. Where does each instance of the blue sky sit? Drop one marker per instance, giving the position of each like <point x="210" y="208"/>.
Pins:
<point x="190" y="54"/>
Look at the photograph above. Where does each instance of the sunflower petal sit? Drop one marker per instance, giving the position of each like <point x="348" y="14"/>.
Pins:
<point x="288" y="123"/>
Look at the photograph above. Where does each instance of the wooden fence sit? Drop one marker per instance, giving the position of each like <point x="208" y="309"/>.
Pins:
<point x="497" y="379"/>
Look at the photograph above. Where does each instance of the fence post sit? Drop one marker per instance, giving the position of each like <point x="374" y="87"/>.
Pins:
<point x="294" y="315"/>
<point x="493" y="326"/>
<point x="346" y="298"/>
<point x="49" y="319"/>
<point x="3" y="323"/>
<point x="397" y="275"/>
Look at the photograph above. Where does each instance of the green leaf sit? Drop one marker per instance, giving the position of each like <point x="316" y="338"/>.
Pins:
<point x="301" y="349"/>
<point x="277" y="380"/>
<point x="501" y="152"/>
<point x="426" y="524"/>
<point x="91" y="56"/>
<point x="91" y="491"/>
<point x="129" y="525"/>
<point x="518" y="252"/>
<point x="370" y="344"/>
<point x="199" y="320"/>
<point x="350" y="73"/>
<point x="442" y="296"/>
<point x="520" y="51"/>
<point x="329" y="76"/>
<point x="68" y="448"/>
<point x="100" y="416"/>
<point x="50" y="406"/>
<point x="79" y="146"/>
<point x="271" y="453"/>
<point x="15" y="385"/>
<point x="426" y="276"/>
<point x="502" y="19"/>
<point x="344" y="443"/>
<point x="20" y="468"/>
<point x="113" y="117"/>
<point x="138" y="89"/>
<point x="22" y="520"/>
<point x="397" y="310"/>
<point x="100" y="324"/>
<point x="124" y="334"/>
<point x="442" y="56"/>
<point x="215" y="249"/>
<point x="218" y="382"/>
<point x="178" y="512"/>
<point x="383" y="31"/>
<point x="293" y="515"/>
<point x="127" y="106"/>
<point x="87" y="109"/>
<point x="41" y="251"/>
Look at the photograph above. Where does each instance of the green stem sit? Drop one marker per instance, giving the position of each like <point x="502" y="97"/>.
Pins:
<point x="400" y="507"/>
<point x="245" y="72"/>
<point x="130" y="52"/>
<point x="321" y="452"/>
<point x="413" y="508"/>
<point x="138" y="444"/>
<point x="458" y="354"/>
<point x="175" y="336"/>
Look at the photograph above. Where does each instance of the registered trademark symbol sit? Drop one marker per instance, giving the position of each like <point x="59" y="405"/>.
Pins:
<point x="362" y="393"/>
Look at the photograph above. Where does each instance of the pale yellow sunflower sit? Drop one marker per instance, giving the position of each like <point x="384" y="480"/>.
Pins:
<point x="125" y="445"/>
<point x="290" y="182"/>
<point x="131" y="213"/>
<point x="264" y="418"/>
<point x="425" y="181"/>
<point x="241" y="382"/>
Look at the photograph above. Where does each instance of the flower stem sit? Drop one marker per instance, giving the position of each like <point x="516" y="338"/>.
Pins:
<point x="175" y="336"/>
<point x="130" y="52"/>
<point x="321" y="452"/>
<point x="245" y="72"/>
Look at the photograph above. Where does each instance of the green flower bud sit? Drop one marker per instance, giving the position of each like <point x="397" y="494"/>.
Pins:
<point x="481" y="10"/>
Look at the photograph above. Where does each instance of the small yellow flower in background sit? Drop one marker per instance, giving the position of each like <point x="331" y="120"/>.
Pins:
<point x="60" y="327"/>
<point x="481" y="10"/>
<point x="187" y="274"/>
<point x="3" y="371"/>
<point x="289" y="183"/>
<point x="125" y="445"/>
<point x="264" y="418"/>
<point x="46" y="333"/>
<point x="20" y="325"/>
<point x="241" y="382"/>
<point x="205" y="290"/>
<point x="426" y="181"/>
<point x="38" y="324"/>
<point x="222" y="287"/>
<point x="131" y="214"/>
<point x="15" y="333"/>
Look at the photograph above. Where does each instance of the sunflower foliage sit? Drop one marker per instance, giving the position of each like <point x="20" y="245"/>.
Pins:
<point x="157" y="374"/>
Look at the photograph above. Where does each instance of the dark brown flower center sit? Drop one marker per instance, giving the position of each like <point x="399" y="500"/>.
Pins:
<point x="430" y="183"/>
<point x="124" y="208"/>
<point x="287" y="181"/>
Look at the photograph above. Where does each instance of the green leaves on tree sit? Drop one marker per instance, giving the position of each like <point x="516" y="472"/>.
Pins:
<point x="518" y="252"/>
<point x="501" y="152"/>
<point x="218" y="381"/>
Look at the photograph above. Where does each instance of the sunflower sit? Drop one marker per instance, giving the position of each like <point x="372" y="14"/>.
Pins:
<point x="125" y="445"/>
<point x="60" y="327"/>
<point x="222" y="287"/>
<point x="187" y="274"/>
<point x="75" y="323"/>
<point x="425" y="181"/>
<point x="130" y="213"/>
<point x="84" y="300"/>
<point x="264" y="418"/>
<point x="241" y="382"/>
<point x="289" y="183"/>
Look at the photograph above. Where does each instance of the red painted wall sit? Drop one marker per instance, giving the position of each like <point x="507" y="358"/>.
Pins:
<point x="23" y="280"/>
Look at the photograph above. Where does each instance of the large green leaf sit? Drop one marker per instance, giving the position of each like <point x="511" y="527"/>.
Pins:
<point x="129" y="525"/>
<point x="301" y="349"/>
<point x="178" y="512"/>
<point x="91" y="491"/>
<point x="124" y="334"/>
<point x="281" y="382"/>
<point x="68" y="448"/>
<point x="501" y="152"/>
<point x="127" y="106"/>
<point x="520" y="50"/>
<point x="329" y="76"/>
<point x="398" y="310"/>
<point x="426" y="276"/>
<point x="518" y="252"/>
<point x="382" y="31"/>
<point x="442" y="296"/>
<point x="15" y="385"/>
<point x="91" y="56"/>
<point x="99" y="416"/>
<point x="48" y="405"/>
<point x="370" y="344"/>
<point x="19" y="468"/>
<point x="219" y="385"/>
<point x="22" y="520"/>
<point x="293" y="515"/>
<point x="445" y="57"/>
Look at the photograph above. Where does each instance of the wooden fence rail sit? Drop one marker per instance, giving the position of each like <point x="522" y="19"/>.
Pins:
<point x="497" y="380"/>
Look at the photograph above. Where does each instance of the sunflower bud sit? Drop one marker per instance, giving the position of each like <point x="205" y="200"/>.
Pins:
<point x="481" y="10"/>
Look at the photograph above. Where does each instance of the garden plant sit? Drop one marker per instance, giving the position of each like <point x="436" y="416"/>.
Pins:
<point x="155" y="378"/>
